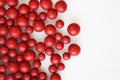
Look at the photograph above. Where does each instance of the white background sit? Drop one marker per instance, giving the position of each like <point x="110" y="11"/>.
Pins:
<point x="99" y="39"/>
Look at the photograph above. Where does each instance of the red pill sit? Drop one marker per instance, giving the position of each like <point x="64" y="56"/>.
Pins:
<point x="11" y="43"/>
<point x="73" y="29"/>
<point x="2" y="76"/>
<point x="34" y="72"/>
<point x="74" y="50"/>
<point x="29" y="55"/>
<point x="59" y="24"/>
<point x="12" y="66"/>
<point x="38" y="25"/>
<point x="61" y="6"/>
<point x="22" y="21"/>
<point x="29" y="29"/>
<point x="61" y="66"/>
<point x="40" y="47"/>
<point x="24" y="67"/>
<point x="18" y="75"/>
<point x="52" y="68"/>
<point x="12" y="2"/>
<point x="10" y="77"/>
<point x="2" y="39"/>
<point x="12" y="53"/>
<point x="50" y="29"/>
<point x="58" y="36"/>
<point x="49" y="51"/>
<point x="66" y="56"/>
<point x="43" y="16"/>
<point x="33" y="4"/>
<point x="32" y="15"/>
<point x="22" y="46"/>
<point x="23" y="9"/>
<point x="49" y="41"/>
<point x="55" y="59"/>
<point x="19" y="58"/>
<point x="26" y="76"/>
<point x="45" y="4"/>
<point x="12" y="13"/>
<point x="31" y="42"/>
<point x="5" y="58"/>
<point x="2" y="3"/>
<point x="15" y="31"/>
<point x="3" y="68"/>
<point x="42" y="76"/>
<point x="59" y="45"/>
<point x="2" y="20"/>
<point x="66" y="39"/>
<point x="4" y="50"/>
<point x="41" y="56"/>
<point x="2" y="11"/>
<point x="24" y="37"/>
<point x="10" y="22"/>
<point x="55" y="76"/>
<point x="3" y="30"/>
<point x="34" y="78"/>
<point x="36" y="64"/>
<point x="52" y="13"/>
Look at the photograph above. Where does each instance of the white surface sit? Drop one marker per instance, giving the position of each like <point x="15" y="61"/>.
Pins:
<point x="99" y="40"/>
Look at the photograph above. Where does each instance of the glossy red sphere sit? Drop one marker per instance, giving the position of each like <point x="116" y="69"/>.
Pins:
<point x="61" y="66"/>
<point x="19" y="58"/>
<point x="74" y="49"/>
<point x="59" y="45"/>
<point x="24" y="37"/>
<point x="49" y="41"/>
<point x="36" y="63"/>
<point x="22" y="46"/>
<point x="2" y="40"/>
<point x="55" y="76"/>
<point x="58" y="36"/>
<point x="42" y="76"/>
<point x="2" y="20"/>
<point x="10" y="77"/>
<point x="11" y="43"/>
<point x="33" y="4"/>
<point x="12" y="66"/>
<point x="29" y="55"/>
<point x="50" y="29"/>
<point x="10" y="22"/>
<point x="66" y="39"/>
<point x="59" y="24"/>
<point x="2" y="11"/>
<point x="12" y="3"/>
<point x="2" y="76"/>
<point x="61" y="6"/>
<point x="3" y="68"/>
<point x="26" y="76"/>
<point x="52" y="68"/>
<point x="5" y="58"/>
<point x="18" y="75"/>
<point x="2" y="3"/>
<point x="41" y="56"/>
<point x="34" y="72"/>
<point x="32" y="15"/>
<point x="23" y="9"/>
<point x="40" y="47"/>
<point x="42" y="15"/>
<point x="31" y="42"/>
<point x="45" y="4"/>
<point x="38" y="25"/>
<point x="3" y="50"/>
<point x="15" y="31"/>
<point x="52" y="13"/>
<point x="24" y="67"/>
<point x="3" y="30"/>
<point x="29" y="29"/>
<point x="73" y="29"/>
<point x="49" y="51"/>
<point x="66" y="56"/>
<point x="12" y="53"/>
<point x="55" y="59"/>
<point x="12" y="13"/>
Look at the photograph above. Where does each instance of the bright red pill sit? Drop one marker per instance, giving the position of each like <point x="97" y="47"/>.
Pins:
<point x="10" y="77"/>
<point x="59" y="24"/>
<point x="12" y="53"/>
<point x="73" y="29"/>
<point x="55" y="59"/>
<point x="3" y="68"/>
<point x="34" y="72"/>
<point x="50" y="29"/>
<point x="2" y="76"/>
<point x="49" y="51"/>
<point x="52" y="68"/>
<point x="41" y="56"/>
<point x="11" y="43"/>
<point x="49" y="41"/>
<point x="52" y="13"/>
<point x="19" y="58"/>
<point x="3" y="30"/>
<point x="29" y="29"/>
<point x="18" y="75"/>
<point x="2" y="11"/>
<point x="40" y="47"/>
<point x="32" y="15"/>
<point x="2" y="3"/>
<point x="33" y="4"/>
<point x="42" y="16"/>
<point x="66" y="39"/>
<point x="12" y="3"/>
<point x="2" y="40"/>
<point x="10" y="22"/>
<point x="61" y="66"/>
<point x="26" y="76"/>
<point x="22" y="46"/>
<point x="4" y="50"/>
<point x="66" y="56"/>
<point x="59" y="45"/>
<point x="36" y="63"/>
<point x="24" y="67"/>
<point x="31" y="42"/>
<point x="42" y="75"/>
<point x="23" y="9"/>
<point x="5" y="58"/>
<point x="55" y="76"/>
<point x="74" y="50"/>
<point x="45" y="4"/>
<point x="58" y="36"/>
<point x="24" y="37"/>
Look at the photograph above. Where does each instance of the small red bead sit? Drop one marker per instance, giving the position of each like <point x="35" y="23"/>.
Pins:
<point x="18" y="75"/>
<point x="38" y="25"/>
<point x="59" y="24"/>
<point x="29" y="55"/>
<point x="61" y="6"/>
<point x="55" y="76"/>
<point x="15" y="31"/>
<point x="45" y="4"/>
<point x="22" y="46"/>
<point x="11" y="43"/>
<point x="2" y="40"/>
<point x="4" y="50"/>
<point x="19" y="58"/>
<point x="24" y="37"/>
<point x="2" y="20"/>
<point x="10" y="77"/>
<point x="12" y="66"/>
<point x="74" y="50"/>
<point x="41" y="56"/>
<point x="66" y="39"/>
<point x="12" y="53"/>
<point x="5" y="58"/>
<point x="10" y="22"/>
<point x="66" y="56"/>
<point x="2" y="3"/>
<point x="22" y="21"/>
<point x="2" y="11"/>
<point x="43" y="16"/>
<point x="32" y="15"/>
<point x="49" y="41"/>
<point x="26" y="76"/>
<point x="3" y="30"/>
<point x="2" y="76"/>
<point x="12" y="13"/>
<point x="33" y="4"/>
<point x="42" y="76"/>
<point x="23" y="9"/>
<point x="49" y="51"/>
<point x="58" y="36"/>
<point x="61" y="66"/>
<point x="73" y="29"/>
<point x="52" y="13"/>
<point x="34" y="72"/>
<point x="29" y="29"/>
<point x="50" y="29"/>
<point x="3" y="68"/>
<point x="52" y="68"/>
<point x="36" y="64"/>
<point x="24" y="67"/>
<point x="12" y="2"/>
<point x="31" y="42"/>
<point x="55" y="59"/>
<point x="59" y="45"/>
<point x="40" y="47"/>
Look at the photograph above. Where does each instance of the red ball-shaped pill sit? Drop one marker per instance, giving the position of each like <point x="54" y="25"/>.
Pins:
<point x="52" y="13"/>
<point x="74" y="50"/>
<point x="45" y="4"/>
<point x="42" y="16"/>
<point x="40" y="47"/>
<point x="49" y="51"/>
<point x="18" y="75"/>
<point x="23" y="9"/>
<point x="66" y="56"/>
<point x="3" y="68"/>
<point x="22" y="46"/>
<point x="33" y="4"/>
<point x="5" y="58"/>
<point x="42" y="75"/>
<point x="2" y="76"/>
<point x="34" y="72"/>
<point x="12" y="53"/>
<point x="24" y="67"/>
<point x="52" y="68"/>
<point x="11" y="43"/>
<point x="2" y="11"/>
<point x="31" y="42"/>
<point x="55" y="76"/>
<point x="66" y="39"/>
<point x="10" y="77"/>
<point x="49" y="41"/>
<point x="59" y="45"/>
<point x="61" y="66"/>
<point x="55" y="59"/>
<point x="2" y="3"/>
<point x="29" y="29"/>
<point x="36" y="64"/>
<point x="41" y="56"/>
<point x="3" y="30"/>
<point x="19" y="58"/>
<point x="2" y="40"/>
<point x="32" y="15"/>
<point x="12" y="3"/>
<point x="73" y="29"/>
<point x="50" y="29"/>
<point x="59" y="23"/>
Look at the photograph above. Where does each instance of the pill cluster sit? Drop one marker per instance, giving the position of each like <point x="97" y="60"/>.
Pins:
<point x="18" y="60"/>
